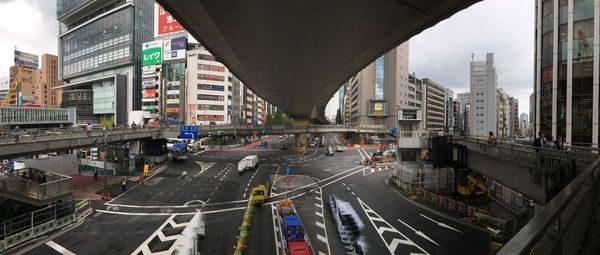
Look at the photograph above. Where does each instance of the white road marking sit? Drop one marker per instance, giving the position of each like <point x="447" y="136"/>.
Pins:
<point x="319" y="224"/>
<point x="319" y="214"/>
<point x="59" y="248"/>
<point x="441" y="224"/>
<point x="322" y="238"/>
<point x="419" y="233"/>
<point x="318" y="198"/>
<point x="387" y="227"/>
<point x="182" y="174"/>
<point x="318" y="205"/>
<point x="275" y="229"/>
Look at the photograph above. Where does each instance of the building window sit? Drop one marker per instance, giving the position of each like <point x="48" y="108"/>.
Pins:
<point x="206" y="57"/>
<point x="379" y="82"/>
<point x="211" y="97"/>
<point x="211" y="107"/>
<point x="209" y="77"/>
<point x="211" y="87"/>
<point x="211" y="117"/>
<point x="213" y="68"/>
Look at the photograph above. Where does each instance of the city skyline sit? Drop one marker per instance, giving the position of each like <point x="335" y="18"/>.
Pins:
<point x="425" y="47"/>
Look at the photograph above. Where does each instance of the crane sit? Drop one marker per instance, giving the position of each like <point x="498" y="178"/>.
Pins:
<point x="13" y="88"/>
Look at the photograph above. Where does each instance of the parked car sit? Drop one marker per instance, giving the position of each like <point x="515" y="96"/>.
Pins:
<point x="280" y="136"/>
<point x="377" y="153"/>
<point x="339" y="148"/>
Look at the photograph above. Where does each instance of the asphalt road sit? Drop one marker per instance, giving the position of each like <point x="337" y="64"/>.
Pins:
<point x="143" y="219"/>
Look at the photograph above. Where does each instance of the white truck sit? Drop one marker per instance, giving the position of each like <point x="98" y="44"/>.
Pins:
<point x="248" y="163"/>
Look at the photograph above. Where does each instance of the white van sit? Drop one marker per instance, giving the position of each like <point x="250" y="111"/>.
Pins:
<point x="248" y="163"/>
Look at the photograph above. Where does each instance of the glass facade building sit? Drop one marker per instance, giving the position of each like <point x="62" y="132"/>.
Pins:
<point x="566" y="103"/>
<point x="33" y="116"/>
<point x="379" y="72"/>
<point x="101" y="39"/>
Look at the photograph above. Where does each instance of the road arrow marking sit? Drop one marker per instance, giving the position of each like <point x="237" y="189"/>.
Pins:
<point x="441" y="224"/>
<point x="419" y="233"/>
<point x="182" y="174"/>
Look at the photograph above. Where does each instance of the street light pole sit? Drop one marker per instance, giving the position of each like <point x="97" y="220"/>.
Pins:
<point x="105" y="163"/>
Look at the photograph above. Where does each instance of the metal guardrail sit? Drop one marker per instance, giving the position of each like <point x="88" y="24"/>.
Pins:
<point x="33" y="224"/>
<point x="529" y="156"/>
<point x="563" y="224"/>
<point x="55" y="185"/>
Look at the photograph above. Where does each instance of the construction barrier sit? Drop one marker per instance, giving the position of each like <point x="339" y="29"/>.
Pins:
<point x="447" y="203"/>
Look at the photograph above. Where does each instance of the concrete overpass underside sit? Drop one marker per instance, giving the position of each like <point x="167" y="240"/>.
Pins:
<point x="296" y="54"/>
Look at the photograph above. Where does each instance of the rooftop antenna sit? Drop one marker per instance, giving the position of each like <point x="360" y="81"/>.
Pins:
<point x="472" y="57"/>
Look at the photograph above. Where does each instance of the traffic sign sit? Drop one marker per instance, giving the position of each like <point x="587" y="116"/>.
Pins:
<point x="287" y="170"/>
<point x="94" y="154"/>
<point x="188" y="132"/>
<point x="287" y="179"/>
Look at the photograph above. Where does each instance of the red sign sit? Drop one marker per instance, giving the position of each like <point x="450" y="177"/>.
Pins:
<point x="287" y="179"/>
<point x="166" y="23"/>
<point x="149" y="93"/>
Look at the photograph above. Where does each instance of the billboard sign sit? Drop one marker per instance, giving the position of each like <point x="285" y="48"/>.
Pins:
<point x="149" y="93"/>
<point x="174" y="48"/>
<point x="152" y="53"/>
<point x="26" y="59"/>
<point x="165" y="23"/>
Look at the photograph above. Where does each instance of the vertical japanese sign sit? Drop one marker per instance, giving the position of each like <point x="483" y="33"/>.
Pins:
<point x="152" y="53"/>
<point x="165" y="23"/>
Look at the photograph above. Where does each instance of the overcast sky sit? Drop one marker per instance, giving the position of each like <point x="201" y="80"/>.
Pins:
<point x="28" y="24"/>
<point x="441" y="53"/>
<point x="504" y="27"/>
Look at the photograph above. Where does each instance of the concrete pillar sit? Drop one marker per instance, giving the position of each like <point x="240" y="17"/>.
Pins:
<point x="300" y="140"/>
<point x="134" y="152"/>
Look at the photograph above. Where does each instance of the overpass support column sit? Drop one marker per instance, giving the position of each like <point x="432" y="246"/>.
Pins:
<point x="134" y="154"/>
<point x="300" y="141"/>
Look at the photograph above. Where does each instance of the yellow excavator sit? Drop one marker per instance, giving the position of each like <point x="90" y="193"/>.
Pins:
<point x="472" y="187"/>
<point x="13" y="88"/>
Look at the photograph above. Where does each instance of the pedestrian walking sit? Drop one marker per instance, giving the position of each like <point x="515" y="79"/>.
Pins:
<point x="124" y="184"/>
<point x="540" y="141"/>
<point x="560" y="144"/>
<point x="492" y="138"/>
<point x="549" y="143"/>
<point x="96" y="174"/>
<point x="88" y="129"/>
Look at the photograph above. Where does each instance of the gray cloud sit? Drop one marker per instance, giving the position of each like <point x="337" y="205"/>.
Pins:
<point x="505" y="27"/>
<point x="28" y="24"/>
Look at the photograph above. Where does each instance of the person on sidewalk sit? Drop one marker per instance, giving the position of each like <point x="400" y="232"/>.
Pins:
<point x="124" y="184"/>
<point x="96" y="174"/>
<point x="492" y="138"/>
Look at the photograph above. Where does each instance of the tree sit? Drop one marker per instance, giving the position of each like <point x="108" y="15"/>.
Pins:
<point x="338" y="117"/>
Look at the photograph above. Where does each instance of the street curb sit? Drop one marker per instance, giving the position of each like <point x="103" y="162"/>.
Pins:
<point x="443" y="215"/>
<point x="154" y="173"/>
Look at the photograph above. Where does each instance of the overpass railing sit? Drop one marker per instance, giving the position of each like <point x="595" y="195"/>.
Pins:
<point x="33" y="135"/>
<point x="565" y="224"/>
<point x="529" y="156"/>
<point x="54" y="184"/>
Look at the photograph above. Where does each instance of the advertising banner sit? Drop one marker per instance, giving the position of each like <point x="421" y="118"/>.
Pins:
<point x="149" y="93"/>
<point x="174" y="48"/>
<point x="172" y="110"/>
<point x="26" y="59"/>
<point x="152" y="53"/>
<point x="165" y="23"/>
<point x="191" y="114"/>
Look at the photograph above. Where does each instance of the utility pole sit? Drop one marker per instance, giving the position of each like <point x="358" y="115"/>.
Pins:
<point x="105" y="163"/>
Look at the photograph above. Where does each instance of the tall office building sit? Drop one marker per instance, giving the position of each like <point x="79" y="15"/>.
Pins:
<point x="484" y="82"/>
<point x="99" y="51"/>
<point x="514" y="124"/>
<point x="376" y="91"/>
<point x="463" y="99"/>
<point x="566" y="85"/>
<point x="434" y="106"/>
<point x="4" y="86"/>
<point x="449" y="110"/>
<point x="502" y="114"/>
<point x="208" y="91"/>
<point x="45" y="79"/>
<point x="524" y="125"/>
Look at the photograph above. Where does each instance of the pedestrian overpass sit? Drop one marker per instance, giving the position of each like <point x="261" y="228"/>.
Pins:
<point x="24" y="143"/>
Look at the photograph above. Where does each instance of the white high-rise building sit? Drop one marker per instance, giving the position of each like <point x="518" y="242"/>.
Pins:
<point x="208" y="90"/>
<point x="484" y="82"/>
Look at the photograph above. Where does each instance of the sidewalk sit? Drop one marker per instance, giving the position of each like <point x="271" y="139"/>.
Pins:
<point x="84" y="186"/>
